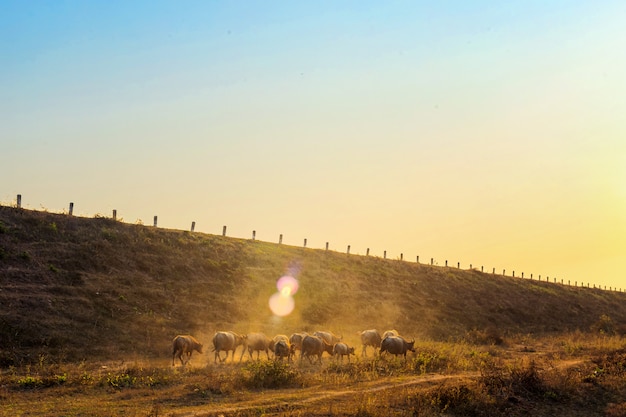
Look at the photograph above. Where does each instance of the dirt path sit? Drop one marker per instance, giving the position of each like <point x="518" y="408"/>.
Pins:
<point x="270" y="402"/>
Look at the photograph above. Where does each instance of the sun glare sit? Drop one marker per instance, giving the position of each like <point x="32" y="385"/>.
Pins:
<point x="282" y="302"/>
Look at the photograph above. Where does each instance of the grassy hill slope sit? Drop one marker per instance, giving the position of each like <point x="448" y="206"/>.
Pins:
<point x="75" y="288"/>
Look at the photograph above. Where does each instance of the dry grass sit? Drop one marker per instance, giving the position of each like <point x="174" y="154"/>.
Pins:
<point x="78" y="294"/>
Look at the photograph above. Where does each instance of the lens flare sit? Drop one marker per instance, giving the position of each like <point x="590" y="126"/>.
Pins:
<point x="287" y="283"/>
<point x="281" y="305"/>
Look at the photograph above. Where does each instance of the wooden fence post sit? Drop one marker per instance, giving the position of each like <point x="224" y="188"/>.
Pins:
<point x="385" y="255"/>
<point x="224" y="231"/>
<point x="401" y="256"/>
<point x="19" y="201"/>
<point x="458" y="265"/>
<point x="446" y="262"/>
<point x="367" y="253"/>
<point x="348" y="252"/>
<point x="114" y="214"/>
<point x="504" y="272"/>
<point x="432" y="261"/>
<point x="305" y="242"/>
<point x="326" y="245"/>
<point x="513" y="274"/>
<point x="494" y="271"/>
<point x="71" y="208"/>
<point x="155" y="221"/>
<point x="253" y="234"/>
<point x="280" y="239"/>
<point x="522" y="275"/>
<point x="481" y="269"/>
<point x="418" y="259"/>
<point x="193" y="226"/>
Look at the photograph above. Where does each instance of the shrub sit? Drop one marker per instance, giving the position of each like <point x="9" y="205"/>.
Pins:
<point x="270" y="374"/>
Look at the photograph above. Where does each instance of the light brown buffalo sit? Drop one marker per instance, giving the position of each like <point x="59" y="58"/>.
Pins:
<point x="296" y="340"/>
<point x="314" y="346"/>
<point x="256" y="342"/>
<point x="182" y="348"/>
<point x="226" y="341"/>
<point x="341" y="349"/>
<point x="390" y="333"/>
<point x="370" y="338"/>
<point x="329" y="337"/>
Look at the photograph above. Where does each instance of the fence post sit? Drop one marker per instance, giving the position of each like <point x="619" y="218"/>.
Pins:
<point x="446" y="262"/>
<point x="155" y="221"/>
<point x="418" y="259"/>
<point x="494" y="271"/>
<point x="305" y="242"/>
<point x="193" y="226"/>
<point x="71" y="208"/>
<point x="19" y="201"/>
<point x="253" y="234"/>
<point x="114" y="214"/>
<point x="224" y="231"/>
<point x="385" y="254"/>
<point x="522" y="275"/>
<point x="280" y="239"/>
<point x="555" y="280"/>
<point x="458" y="265"/>
<point x="326" y="245"/>
<point x="481" y="269"/>
<point x="368" y="252"/>
<point x="432" y="261"/>
<point x="470" y="266"/>
<point x="348" y="252"/>
<point x="401" y="256"/>
<point x="513" y="274"/>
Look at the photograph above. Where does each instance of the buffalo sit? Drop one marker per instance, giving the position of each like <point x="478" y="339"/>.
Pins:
<point x="226" y="341"/>
<point x="341" y="350"/>
<point x="370" y="338"/>
<point x="296" y="340"/>
<point x="183" y="346"/>
<point x="281" y="347"/>
<point x="256" y="342"/>
<point x="396" y="345"/>
<point x="328" y="337"/>
<point x="314" y="346"/>
<point x="390" y="333"/>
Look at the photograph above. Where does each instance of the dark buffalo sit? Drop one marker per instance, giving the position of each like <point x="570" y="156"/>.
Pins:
<point x="396" y="345"/>
<point x="183" y="346"/>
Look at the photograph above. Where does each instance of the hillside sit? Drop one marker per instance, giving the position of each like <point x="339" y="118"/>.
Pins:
<point x="76" y="288"/>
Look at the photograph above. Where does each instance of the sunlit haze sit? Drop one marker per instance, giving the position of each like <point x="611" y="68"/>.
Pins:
<point x="474" y="132"/>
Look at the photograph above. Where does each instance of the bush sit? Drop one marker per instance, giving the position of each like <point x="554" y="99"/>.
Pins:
<point x="270" y="374"/>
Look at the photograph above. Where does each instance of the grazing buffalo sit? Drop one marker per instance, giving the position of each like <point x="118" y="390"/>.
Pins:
<point x="226" y="341"/>
<point x="281" y="347"/>
<point x="390" y="333"/>
<point x="396" y="345"/>
<point x="183" y="346"/>
<point x="370" y="338"/>
<point x="341" y="350"/>
<point x="296" y="340"/>
<point x="314" y="346"/>
<point x="256" y="342"/>
<point x="328" y="337"/>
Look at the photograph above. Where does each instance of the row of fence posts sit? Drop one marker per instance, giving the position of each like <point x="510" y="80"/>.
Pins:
<point x="367" y="253"/>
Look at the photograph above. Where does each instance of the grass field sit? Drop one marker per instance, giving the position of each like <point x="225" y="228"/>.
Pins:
<point x="88" y="309"/>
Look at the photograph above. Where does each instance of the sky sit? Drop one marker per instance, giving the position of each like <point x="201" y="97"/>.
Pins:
<point x="483" y="133"/>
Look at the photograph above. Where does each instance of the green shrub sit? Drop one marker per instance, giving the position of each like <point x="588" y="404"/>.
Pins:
<point x="270" y="374"/>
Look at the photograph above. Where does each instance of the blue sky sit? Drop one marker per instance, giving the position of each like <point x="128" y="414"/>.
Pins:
<point x="479" y="132"/>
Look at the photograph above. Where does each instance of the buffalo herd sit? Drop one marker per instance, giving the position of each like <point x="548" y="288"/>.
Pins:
<point x="281" y="347"/>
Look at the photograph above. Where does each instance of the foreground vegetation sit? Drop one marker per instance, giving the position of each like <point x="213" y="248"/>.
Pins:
<point x="575" y="375"/>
